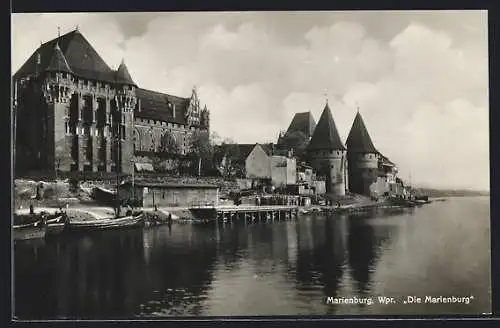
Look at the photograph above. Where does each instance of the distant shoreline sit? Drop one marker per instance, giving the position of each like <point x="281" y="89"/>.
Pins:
<point x="437" y="193"/>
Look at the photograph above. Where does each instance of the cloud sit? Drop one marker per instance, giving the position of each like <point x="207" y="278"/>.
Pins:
<point x="418" y="78"/>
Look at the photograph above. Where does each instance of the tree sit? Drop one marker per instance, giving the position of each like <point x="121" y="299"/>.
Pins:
<point x="201" y="148"/>
<point x="296" y="141"/>
<point x="61" y="155"/>
<point x="228" y="157"/>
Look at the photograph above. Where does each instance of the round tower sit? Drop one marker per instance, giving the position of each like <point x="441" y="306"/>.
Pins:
<point x="362" y="157"/>
<point x="327" y="154"/>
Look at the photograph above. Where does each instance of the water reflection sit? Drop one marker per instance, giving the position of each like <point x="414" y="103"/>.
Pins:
<point x="286" y="267"/>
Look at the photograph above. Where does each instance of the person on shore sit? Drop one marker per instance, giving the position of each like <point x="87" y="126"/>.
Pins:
<point x="169" y="222"/>
<point x="32" y="210"/>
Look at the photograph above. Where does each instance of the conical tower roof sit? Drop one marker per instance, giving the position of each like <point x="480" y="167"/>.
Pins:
<point x="326" y="135"/>
<point x="123" y="76"/>
<point x="359" y="139"/>
<point x="303" y="122"/>
<point x="58" y="62"/>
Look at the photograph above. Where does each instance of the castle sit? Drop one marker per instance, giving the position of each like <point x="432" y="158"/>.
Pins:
<point x="74" y="113"/>
<point x="356" y="167"/>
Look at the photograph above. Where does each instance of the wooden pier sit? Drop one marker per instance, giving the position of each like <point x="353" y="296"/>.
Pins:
<point x="246" y="213"/>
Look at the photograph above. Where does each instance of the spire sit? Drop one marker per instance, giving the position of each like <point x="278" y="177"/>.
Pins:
<point x="326" y="135"/>
<point x="58" y="62"/>
<point x="359" y="139"/>
<point x="122" y="74"/>
<point x="58" y="32"/>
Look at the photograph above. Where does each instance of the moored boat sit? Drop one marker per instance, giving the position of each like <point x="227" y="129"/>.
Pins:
<point x="57" y="224"/>
<point x="34" y="230"/>
<point x="126" y="222"/>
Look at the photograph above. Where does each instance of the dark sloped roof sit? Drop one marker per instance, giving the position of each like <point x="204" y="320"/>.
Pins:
<point x="326" y="135"/>
<point x="155" y="106"/>
<point x="359" y="139"/>
<point x="58" y="62"/>
<point x="123" y="76"/>
<point x="245" y="150"/>
<point x="303" y="122"/>
<point x="81" y="57"/>
<point x="268" y="148"/>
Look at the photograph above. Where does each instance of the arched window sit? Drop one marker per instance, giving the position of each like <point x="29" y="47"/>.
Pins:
<point x="169" y="142"/>
<point x="137" y="140"/>
<point x="146" y="145"/>
<point x="152" y="141"/>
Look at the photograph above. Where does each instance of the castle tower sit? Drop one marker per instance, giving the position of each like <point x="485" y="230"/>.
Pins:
<point x="362" y="158"/>
<point x="327" y="154"/>
<point x="123" y="126"/>
<point x="70" y="99"/>
<point x="57" y="87"/>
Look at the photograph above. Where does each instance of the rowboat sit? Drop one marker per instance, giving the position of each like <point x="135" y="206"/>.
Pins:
<point x="126" y="222"/>
<point x="56" y="225"/>
<point x="34" y="230"/>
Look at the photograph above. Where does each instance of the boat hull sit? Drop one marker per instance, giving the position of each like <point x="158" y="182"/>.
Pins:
<point x="129" y="222"/>
<point x="55" y="228"/>
<point x="31" y="231"/>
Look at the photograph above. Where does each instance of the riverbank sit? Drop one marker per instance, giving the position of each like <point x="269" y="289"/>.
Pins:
<point x="77" y="201"/>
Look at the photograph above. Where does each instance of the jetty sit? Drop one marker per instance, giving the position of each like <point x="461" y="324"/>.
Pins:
<point x="245" y="213"/>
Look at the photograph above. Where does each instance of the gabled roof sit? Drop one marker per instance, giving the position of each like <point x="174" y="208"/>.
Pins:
<point x="123" y="76"/>
<point x="326" y="135"/>
<point x="303" y="122"/>
<point x="158" y="106"/>
<point x="58" y="62"/>
<point x="359" y="139"/>
<point x="81" y="57"/>
<point x="268" y="148"/>
<point x="245" y="149"/>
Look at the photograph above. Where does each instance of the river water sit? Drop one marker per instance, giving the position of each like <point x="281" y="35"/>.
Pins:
<point x="280" y="268"/>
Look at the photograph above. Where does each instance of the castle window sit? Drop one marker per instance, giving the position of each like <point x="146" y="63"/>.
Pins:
<point x="122" y="132"/>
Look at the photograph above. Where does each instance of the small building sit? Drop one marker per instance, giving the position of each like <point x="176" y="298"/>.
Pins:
<point x="283" y="171"/>
<point x="257" y="164"/>
<point x="148" y="194"/>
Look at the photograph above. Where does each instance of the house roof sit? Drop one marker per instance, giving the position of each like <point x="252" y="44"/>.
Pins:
<point x="245" y="149"/>
<point x="82" y="59"/>
<point x="303" y="122"/>
<point x="159" y="106"/>
<point x="268" y="148"/>
<point x="58" y="62"/>
<point x="359" y="139"/>
<point x="326" y="135"/>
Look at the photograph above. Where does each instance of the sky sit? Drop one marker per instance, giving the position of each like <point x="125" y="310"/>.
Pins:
<point x="419" y="78"/>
